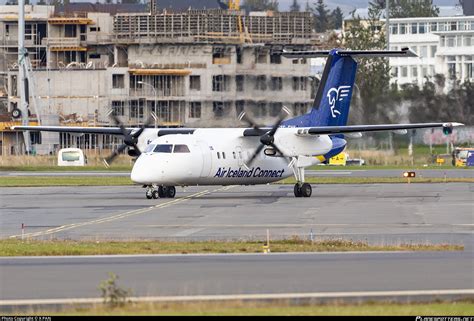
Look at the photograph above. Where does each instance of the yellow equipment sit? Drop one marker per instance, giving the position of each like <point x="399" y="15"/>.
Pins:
<point x="340" y="159"/>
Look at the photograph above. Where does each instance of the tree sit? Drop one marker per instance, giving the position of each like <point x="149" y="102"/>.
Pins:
<point x="321" y="15"/>
<point x="261" y="5"/>
<point x="336" y="18"/>
<point x="295" y="7"/>
<point x="409" y="8"/>
<point x="372" y="94"/>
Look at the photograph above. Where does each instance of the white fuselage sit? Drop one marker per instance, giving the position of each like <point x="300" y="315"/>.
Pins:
<point x="218" y="156"/>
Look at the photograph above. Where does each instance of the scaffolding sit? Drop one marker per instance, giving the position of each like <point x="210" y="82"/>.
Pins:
<point x="214" y="26"/>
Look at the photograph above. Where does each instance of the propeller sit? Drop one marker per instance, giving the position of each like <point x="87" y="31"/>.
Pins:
<point x="130" y="139"/>
<point x="267" y="138"/>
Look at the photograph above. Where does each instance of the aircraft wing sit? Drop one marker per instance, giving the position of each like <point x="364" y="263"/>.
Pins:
<point x="335" y="130"/>
<point x="100" y="130"/>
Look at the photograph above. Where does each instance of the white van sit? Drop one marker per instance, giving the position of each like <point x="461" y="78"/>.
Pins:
<point x="71" y="157"/>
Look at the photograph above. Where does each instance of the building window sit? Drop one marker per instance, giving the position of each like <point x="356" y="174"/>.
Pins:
<point x="469" y="70"/>
<point x="261" y="83"/>
<point x="394" y="29"/>
<point x="433" y="51"/>
<point x="434" y="26"/>
<point x="238" y="52"/>
<point x="260" y="110"/>
<point x="299" y="108"/>
<point x="261" y="57"/>
<point x="220" y="83"/>
<point x="195" y="83"/>
<point x="94" y="29"/>
<point x="275" y="59"/>
<point x="467" y="41"/>
<point x="220" y="108"/>
<point x="239" y="83"/>
<point x="422" y="27"/>
<point x="70" y="31"/>
<point x="221" y="56"/>
<point x="118" y="108"/>
<point x="118" y="81"/>
<point x="414" y="28"/>
<point x="299" y="83"/>
<point x="424" y="51"/>
<point x="195" y="109"/>
<point x="276" y="83"/>
<point x="403" y="28"/>
<point x="136" y="108"/>
<point x="404" y="71"/>
<point x="394" y="71"/>
<point x="414" y="72"/>
<point x="275" y="109"/>
<point x="453" y="26"/>
<point x="424" y="72"/>
<point x="450" y="42"/>
<point x="239" y="106"/>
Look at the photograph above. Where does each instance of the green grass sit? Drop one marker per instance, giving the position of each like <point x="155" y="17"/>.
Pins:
<point x="24" y="181"/>
<point x="375" y="180"/>
<point x="45" y="168"/>
<point x="35" y="181"/>
<point x="382" y="167"/>
<point x="239" y="308"/>
<point x="16" y="247"/>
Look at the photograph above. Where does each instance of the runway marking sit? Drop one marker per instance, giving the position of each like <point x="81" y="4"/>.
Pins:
<point x="121" y="215"/>
<point x="266" y="296"/>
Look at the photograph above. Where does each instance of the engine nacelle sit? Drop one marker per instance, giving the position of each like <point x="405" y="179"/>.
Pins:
<point x="132" y="152"/>
<point x="292" y="144"/>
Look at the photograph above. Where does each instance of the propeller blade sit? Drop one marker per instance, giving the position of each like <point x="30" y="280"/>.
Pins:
<point x="255" y="154"/>
<point x="109" y="160"/>
<point x="137" y="149"/>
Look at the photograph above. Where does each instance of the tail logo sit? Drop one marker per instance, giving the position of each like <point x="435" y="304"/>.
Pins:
<point x="337" y="94"/>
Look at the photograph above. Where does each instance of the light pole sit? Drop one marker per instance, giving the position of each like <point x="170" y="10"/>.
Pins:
<point x="154" y="92"/>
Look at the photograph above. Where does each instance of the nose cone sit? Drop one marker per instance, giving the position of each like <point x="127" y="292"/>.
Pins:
<point x="140" y="172"/>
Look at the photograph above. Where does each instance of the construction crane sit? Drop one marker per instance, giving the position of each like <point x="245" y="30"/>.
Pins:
<point x="234" y="4"/>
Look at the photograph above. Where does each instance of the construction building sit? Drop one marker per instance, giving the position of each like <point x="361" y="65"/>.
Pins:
<point x="198" y="67"/>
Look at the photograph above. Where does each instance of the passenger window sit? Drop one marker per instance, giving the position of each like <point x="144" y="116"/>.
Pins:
<point x="223" y="155"/>
<point x="149" y="148"/>
<point x="233" y="154"/>
<point x="181" y="149"/>
<point x="165" y="148"/>
<point x="218" y="155"/>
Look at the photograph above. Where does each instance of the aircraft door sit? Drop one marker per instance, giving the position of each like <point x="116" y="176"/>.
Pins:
<point x="206" y="159"/>
<point x="240" y="156"/>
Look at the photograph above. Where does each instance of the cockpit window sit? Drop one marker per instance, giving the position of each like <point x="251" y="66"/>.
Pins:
<point x="149" y="148"/>
<point x="181" y="149"/>
<point x="165" y="148"/>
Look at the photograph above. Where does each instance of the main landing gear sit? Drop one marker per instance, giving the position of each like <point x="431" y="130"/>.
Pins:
<point x="153" y="191"/>
<point x="301" y="188"/>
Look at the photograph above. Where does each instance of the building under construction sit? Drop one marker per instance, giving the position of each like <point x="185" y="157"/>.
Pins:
<point x="198" y="67"/>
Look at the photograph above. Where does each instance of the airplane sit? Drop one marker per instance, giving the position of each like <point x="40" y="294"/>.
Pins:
<point x="169" y="157"/>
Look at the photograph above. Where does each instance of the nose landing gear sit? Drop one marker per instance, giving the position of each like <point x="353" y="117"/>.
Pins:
<point x="153" y="191"/>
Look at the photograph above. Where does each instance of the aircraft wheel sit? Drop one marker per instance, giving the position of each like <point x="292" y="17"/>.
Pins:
<point x="161" y="192"/>
<point x="170" y="192"/>
<point x="297" y="190"/>
<point x="306" y="190"/>
<point x="149" y="194"/>
<point x="155" y="194"/>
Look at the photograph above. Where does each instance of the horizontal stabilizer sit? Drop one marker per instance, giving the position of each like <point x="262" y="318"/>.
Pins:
<point x="405" y="52"/>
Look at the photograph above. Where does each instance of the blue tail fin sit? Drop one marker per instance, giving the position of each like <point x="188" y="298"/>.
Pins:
<point x="332" y="102"/>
